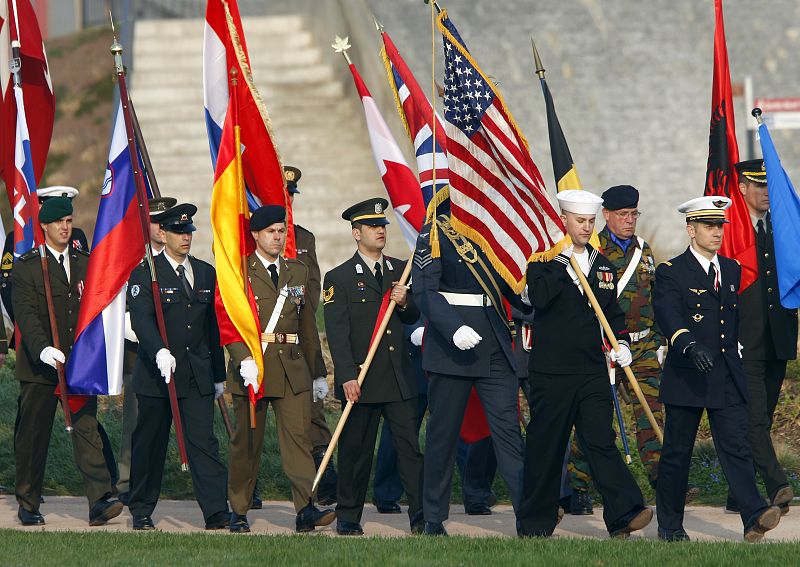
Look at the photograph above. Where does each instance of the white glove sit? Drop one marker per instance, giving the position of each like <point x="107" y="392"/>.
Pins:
<point x="319" y="389"/>
<point x="568" y="251"/>
<point x="416" y="336"/>
<point x="166" y="364"/>
<point x="129" y="334"/>
<point x="660" y="354"/>
<point x="248" y="370"/>
<point x="525" y="297"/>
<point x="50" y="355"/>
<point x="219" y="389"/>
<point x="466" y="338"/>
<point x="621" y="357"/>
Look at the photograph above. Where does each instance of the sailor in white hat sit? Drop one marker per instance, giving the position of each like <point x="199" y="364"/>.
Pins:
<point x="567" y="349"/>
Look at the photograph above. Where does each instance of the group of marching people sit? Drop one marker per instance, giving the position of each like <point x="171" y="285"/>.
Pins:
<point x="692" y="341"/>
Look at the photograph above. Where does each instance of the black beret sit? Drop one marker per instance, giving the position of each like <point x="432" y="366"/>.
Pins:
<point x="266" y="216"/>
<point x="55" y="208"/>
<point x="178" y="218"/>
<point x="620" y="197"/>
<point x="369" y="212"/>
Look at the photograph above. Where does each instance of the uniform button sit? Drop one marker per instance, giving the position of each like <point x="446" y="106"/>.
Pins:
<point x="70" y="329"/>
<point x="769" y="273"/>
<point x="769" y="290"/>
<point x="69" y="294"/>
<point x="388" y="331"/>
<point x="280" y="351"/>
<point x="771" y="306"/>
<point x="722" y="321"/>
<point x="720" y="307"/>
<point x="281" y="316"/>
<point x="698" y="305"/>
<point x="391" y="349"/>
<point x="723" y="350"/>
<point x="722" y="336"/>
<point x="188" y="326"/>
<point x="187" y="348"/>
<point x="188" y="305"/>
<point x="256" y="297"/>
<point x="363" y="300"/>
<point x="766" y="254"/>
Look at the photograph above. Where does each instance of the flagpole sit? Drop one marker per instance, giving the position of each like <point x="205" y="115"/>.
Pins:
<point x="373" y="348"/>
<point x="243" y="209"/>
<point x="16" y="68"/>
<point x="148" y="166"/>
<point x="141" y="193"/>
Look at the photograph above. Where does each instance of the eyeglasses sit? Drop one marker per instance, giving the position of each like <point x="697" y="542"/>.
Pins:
<point x="628" y="216"/>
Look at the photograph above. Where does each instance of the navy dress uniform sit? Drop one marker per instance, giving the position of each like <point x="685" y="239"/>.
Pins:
<point x="696" y="306"/>
<point x="452" y="297"/>
<point x="352" y="295"/>
<point x="768" y="335"/>
<point x="569" y="387"/>
<point x="187" y="301"/>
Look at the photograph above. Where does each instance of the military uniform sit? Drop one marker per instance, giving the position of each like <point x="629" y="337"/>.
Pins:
<point x="37" y="402"/>
<point x="451" y="297"/>
<point x="288" y="368"/>
<point x="700" y="314"/>
<point x="352" y="299"/>
<point x="193" y="340"/>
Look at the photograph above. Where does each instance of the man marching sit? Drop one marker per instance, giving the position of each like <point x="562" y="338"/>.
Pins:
<point x="291" y="344"/>
<point x="569" y="380"/>
<point x="352" y="295"/>
<point x="695" y="301"/>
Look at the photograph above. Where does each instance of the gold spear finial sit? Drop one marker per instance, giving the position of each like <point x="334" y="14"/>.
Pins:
<point x="378" y="25"/>
<point x="537" y="60"/>
<point x="116" y="46"/>
<point x="341" y="45"/>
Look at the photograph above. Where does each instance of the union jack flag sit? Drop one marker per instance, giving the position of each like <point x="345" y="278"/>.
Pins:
<point x="497" y="195"/>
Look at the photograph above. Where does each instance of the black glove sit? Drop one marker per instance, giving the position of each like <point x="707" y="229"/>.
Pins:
<point x="702" y="357"/>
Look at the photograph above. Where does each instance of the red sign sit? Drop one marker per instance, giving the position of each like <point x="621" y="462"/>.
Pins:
<point x="777" y="104"/>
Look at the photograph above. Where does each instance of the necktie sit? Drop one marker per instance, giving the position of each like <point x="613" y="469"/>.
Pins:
<point x="187" y="289"/>
<point x="379" y="274"/>
<point x="761" y="235"/>
<point x="63" y="267"/>
<point x="713" y="276"/>
<point x="273" y="273"/>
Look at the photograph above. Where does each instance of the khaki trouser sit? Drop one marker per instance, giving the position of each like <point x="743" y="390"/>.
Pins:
<point x="293" y="416"/>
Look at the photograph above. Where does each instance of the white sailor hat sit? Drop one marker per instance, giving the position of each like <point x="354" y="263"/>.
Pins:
<point x="579" y="202"/>
<point x="709" y="209"/>
<point x="56" y="191"/>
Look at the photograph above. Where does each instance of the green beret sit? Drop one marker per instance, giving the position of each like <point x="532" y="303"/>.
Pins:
<point x="54" y="209"/>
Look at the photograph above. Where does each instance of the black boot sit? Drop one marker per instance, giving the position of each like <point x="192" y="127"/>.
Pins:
<point x="326" y="491"/>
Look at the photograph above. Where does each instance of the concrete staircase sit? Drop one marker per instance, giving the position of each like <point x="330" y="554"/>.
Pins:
<point x="318" y="125"/>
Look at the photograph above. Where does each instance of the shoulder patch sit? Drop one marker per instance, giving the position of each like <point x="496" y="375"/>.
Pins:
<point x="327" y="295"/>
<point x="7" y="262"/>
<point x="135" y="289"/>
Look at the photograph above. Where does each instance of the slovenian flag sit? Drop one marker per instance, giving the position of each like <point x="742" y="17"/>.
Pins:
<point x="95" y="364"/>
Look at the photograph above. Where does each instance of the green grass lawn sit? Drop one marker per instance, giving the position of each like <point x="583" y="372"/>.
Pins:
<point x="44" y="549"/>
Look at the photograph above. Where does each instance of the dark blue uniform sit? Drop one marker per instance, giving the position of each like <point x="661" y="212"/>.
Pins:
<point x="489" y="367"/>
<point x="689" y="311"/>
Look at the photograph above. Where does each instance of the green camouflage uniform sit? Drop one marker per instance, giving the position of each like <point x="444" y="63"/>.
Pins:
<point x="635" y="302"/>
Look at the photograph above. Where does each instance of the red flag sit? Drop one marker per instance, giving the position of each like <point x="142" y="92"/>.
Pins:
<point x="37" y="89"/>
<point x="723" y="152"/>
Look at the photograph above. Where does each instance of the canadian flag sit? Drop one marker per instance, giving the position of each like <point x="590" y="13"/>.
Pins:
<point x="401" y="183"/>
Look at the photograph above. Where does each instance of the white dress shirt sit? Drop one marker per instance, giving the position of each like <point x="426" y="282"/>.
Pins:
<point x="705" y="263"/>
<point x="65" y="253"/>
<point x="186" y="264"/>
<point x="268" y="263"/>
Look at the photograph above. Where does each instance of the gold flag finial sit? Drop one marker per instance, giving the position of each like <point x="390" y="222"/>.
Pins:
<point x="537" y="60"/>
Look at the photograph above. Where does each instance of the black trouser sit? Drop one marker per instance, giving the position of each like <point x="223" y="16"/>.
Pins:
<point x="559" y="402"/>
<point x="447" y="401"/>
<point x="764" y="381"/>
<point x="728" y="429"/>
<point x="150" y="440"/>
<point x="357" y="445"/>
<point x="35" y="413"/>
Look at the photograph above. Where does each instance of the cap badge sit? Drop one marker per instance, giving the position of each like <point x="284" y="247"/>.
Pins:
<point x="290" y="175"/>
<point x="378" y="208"/>
<point x="720" y="204"/>
<point x="184" y="217"/>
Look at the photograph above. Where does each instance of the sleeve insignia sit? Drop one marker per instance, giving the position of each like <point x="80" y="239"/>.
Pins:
<point x="359" y="269"/>
<point x="7" y="262"/>
<point x="327" y="295"/>
<point x="135" y="289"/>
<point x="389" y="265"/>
<point x="422" y="257"/>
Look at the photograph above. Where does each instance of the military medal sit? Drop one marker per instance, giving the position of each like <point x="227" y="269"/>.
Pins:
<point x="296" y="295"/>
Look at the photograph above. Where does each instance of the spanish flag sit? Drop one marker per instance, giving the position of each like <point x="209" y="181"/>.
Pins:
<point x="237" y="314"/>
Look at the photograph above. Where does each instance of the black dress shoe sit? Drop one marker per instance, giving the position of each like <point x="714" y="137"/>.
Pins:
<point x="673" y="535"/>
<point x="434" y="529"/>
<point x="143" y="523"/>
<point x="310" y="517"/>
<point x="104" y="510"/>
<point x="256" y="503"/>
<point x="581" y="503"/>
<point x="478" y="510"/>
<point x="636" y="519"/>
<point x="417" y="523"/>
<point x="30" y="518"/>
<point x="348" y="528"/>
<point x="238" y="524"/>
<point x="124" y="497"/>
<point x="388" y="507"/>
<point x="219" y="521"/>
<point x="768" y="519"/>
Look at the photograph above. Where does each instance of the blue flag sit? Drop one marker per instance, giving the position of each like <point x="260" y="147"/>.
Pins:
<point x="785" y="212"/>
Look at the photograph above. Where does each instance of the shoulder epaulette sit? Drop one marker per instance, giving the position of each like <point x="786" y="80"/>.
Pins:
<point x="81" y="251"/>
<point x="32" y="253"/>
<point x="667" y="263"/>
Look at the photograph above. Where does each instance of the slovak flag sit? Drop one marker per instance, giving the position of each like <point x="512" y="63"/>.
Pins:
<point x="95" y="364"/>
<point x="400" y="182"/>
<point x="27" y="232"/>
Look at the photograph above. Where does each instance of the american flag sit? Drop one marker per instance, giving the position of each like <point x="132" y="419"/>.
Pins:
<point x="497" y="196"/>
<point x="417" y="116"/>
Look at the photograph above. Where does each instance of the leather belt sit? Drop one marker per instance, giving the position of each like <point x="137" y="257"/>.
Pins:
<point x="280" y="338"/>
<point x="640" y="335"/>
<point x="466" y="299"/>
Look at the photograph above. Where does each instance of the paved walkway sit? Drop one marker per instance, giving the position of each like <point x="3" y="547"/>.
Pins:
<point x="183" y="516"/>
